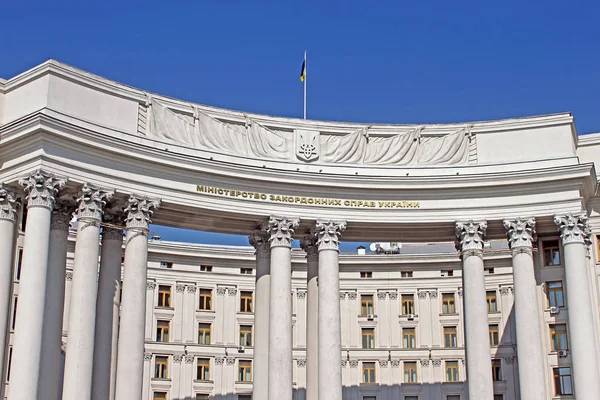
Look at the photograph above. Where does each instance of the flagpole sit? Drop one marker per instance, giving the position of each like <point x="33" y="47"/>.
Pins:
<point x="305" y="76"/>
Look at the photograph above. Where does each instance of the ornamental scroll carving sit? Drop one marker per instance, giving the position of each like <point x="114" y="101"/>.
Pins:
<point x="280" y="230"/>
<point x="574" y="228"/>
<point x="92" y="200"/>
<point x="520" y="232"/>
<point x="138" y="212"/>
<point x="41" y="188"/>
<point x="469" y="235"/>
<point x="329" y="233"/>
<point x="408" y="146"/>
<point x="8" y="204"/>
<point x="259" y="239"/>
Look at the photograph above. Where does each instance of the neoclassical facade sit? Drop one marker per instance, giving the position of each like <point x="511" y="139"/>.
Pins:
<point x="98" y="310"/>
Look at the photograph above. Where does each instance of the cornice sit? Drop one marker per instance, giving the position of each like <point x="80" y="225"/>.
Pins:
<point x="106" y="85"/>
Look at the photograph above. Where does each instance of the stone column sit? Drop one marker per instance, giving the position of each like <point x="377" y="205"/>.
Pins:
<point x="477" y="343"/>
<point x="79" y="357"/>
<point x="8" y="214"/>
<point x="309" y="244"/>
<point x="575" y="234"/>
<point x="330" y="362"/>
<point x="107" y="309"/>
<point x="260" y="388"/>
<point x="521" y="236"/>
<point x="51" y="358"/>
<point x="280" y="232"/>
<point x="41" y="188"/>
<point x="130" y="357"/>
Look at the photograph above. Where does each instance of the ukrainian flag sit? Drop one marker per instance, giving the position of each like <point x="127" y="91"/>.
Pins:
<point x="303" y="72"/>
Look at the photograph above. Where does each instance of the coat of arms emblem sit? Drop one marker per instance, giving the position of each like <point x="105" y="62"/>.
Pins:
<point x="307" y="145"/>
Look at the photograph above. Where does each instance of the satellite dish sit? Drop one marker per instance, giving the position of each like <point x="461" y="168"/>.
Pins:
<point x="373" y="247"/>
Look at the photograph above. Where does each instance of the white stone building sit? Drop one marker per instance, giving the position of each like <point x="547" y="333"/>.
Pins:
<point x="514" y="313"/>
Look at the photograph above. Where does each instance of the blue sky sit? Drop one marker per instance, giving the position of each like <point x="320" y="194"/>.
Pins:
<point x="368" y="61"/>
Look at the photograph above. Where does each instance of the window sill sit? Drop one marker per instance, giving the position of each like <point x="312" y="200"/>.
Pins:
<point x="208" y="311"/>
<point x="243" y="382"/>
<point x="164" y="308"/>
<point x="448" y="314"/>
<point x="161" y="379"/>
<point x="203" y="381"/>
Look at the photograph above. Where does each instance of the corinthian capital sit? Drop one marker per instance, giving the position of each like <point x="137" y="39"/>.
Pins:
<point x="574" y="228"/>
<point x="520" y="232"/>
<point x="61" y="216"/>
<point x="280" y="230"/>
<point x="139" y="210"/>
<point x="91" y="201"/>
<point x="259" y="239"/>
<point x="41" y="188"/>
<point x="328" y="234"/>
<point x="309" y="244"/>
<point x="8" y="204"/>
<point x="470" y="234"/>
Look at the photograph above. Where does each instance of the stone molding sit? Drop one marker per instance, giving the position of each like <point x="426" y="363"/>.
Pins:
<point x="180" y="288"/>
<point x="61" y="217"/>
<point x="138" y="212"/>
<point x="381" y="295"/>
<point x="424" y="362"/>
<point x="352" y="295"/>
<point x="191" y="288"/>
<point x="69" y="275"/>
<point x="232" y="291"/>
<point x="178" y="357"/>
<point x="510" y="359"/>
<point x="280" y="230"/>
<point x="393" y="295"/>
<point x="41" y="188"/>
<point x="436" y="362"/>
<point x="328" y="234"/>
<point x="395" y="363"/>
<point x="301" y="362"/>
<point x="8" y="204"/>
<point x="344" y="363"/>
<point x="433" y="294"/>
<point x="383" y="363"/>
<point x="147" y="356"/>
<point x="506" y="290"/>
<point x="301" y="294"/>
<point x="309" y="244"/>
<point x="259" y="239"/>
<point x="230" y="360"/>
<point x="150" y="285"/>
<point x="219" y="360"/>
<point x="343" y="295"/>
<point x="422" y="294"/>
<point x="221" y="291"/>
<point x="353" y="363"/>
<point x="460" y="292"/>
<point x="520" y="232"/>
<point x="574" y="228"/>
<point x="91" y="201"/>
<point x="470" y="235"/>
<point x="189" y="358"/>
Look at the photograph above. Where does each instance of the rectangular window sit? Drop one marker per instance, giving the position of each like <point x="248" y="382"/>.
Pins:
<point x="246" y="271"/>
<point x="205" y="268"/>
<point x="448" y="303"/>
<point x="161" y="367"/>
<point x="492" y="300"/>
<point x="203" y="333"/>
<point x="19" y="263"/>
<point x="447" y="272"/>
<point x="9" y="364"/>
<point x="498" y="397"/>
<point x="245" y="371"/>
<point x="410" y="372"/>
<point x="368" y="369"/>
<point x="494" y="335"/>
<point x="164" y="296"/>
<point x="558" y="337"/>
<point x="366" y="304"/>
<point x="406" y="274"/>
<point x="166" y="264"/>
<point x="14" y="314"/>
<point x="205" y="299"/>
<point x="162" y="331"/>
<point x="497" y="370"/>
<point x="160" y="396"/>
<point x="246" y="335"/>
<point x="450" y="336"/>
<point x="408" y="338"/>
<point x="202" y="396"/>
<point x="551" y="252"/>
<point x="368" y="338"/>
<point x="203" y="369"/>
<point x="554" y="292"/>
<point x="246" y="302"/>
<point x="562" y="381"/>
<point x="366" y="274"/>
<point x="451" y="371"/>
<point x="408" y="304"/>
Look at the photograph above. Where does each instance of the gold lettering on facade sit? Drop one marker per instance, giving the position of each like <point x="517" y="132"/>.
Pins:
<point x="275" y="198"/>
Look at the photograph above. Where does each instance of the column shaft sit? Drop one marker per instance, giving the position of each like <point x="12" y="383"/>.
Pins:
<point x="51" y="359"/>
<point x="280" y="329"/>
<point x="106" y="313"/>
<point x="82" y="319"/>
<point x="260" y="388"/>
<point x="312" y="317"/>
<point x="27" y="346"/>
<point x="130" y="353"/>
<point x="8" y="213"/>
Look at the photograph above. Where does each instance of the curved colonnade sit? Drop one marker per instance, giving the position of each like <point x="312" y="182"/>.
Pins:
<point x="74" y="142"/>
